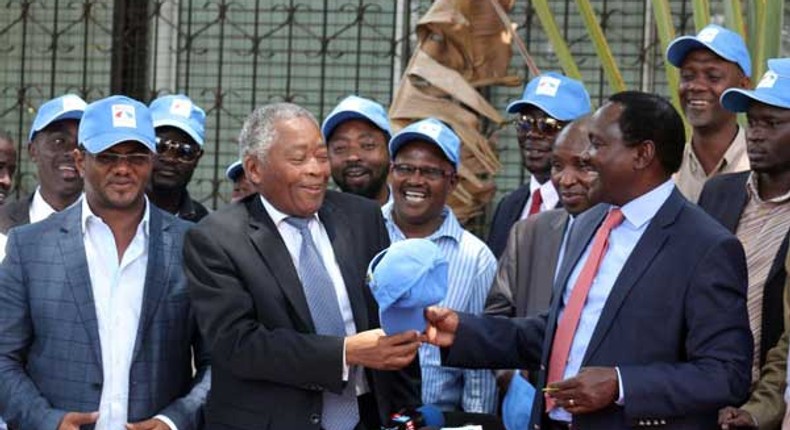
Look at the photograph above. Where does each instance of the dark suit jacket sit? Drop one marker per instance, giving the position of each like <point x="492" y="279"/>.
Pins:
<point x="724" y="197"/>
<point x="675" y="323"/>
<point x="525" y="272"/>
<point x="269" y="367"/>
<point x="507" y="213"/>
<point x="50" y="356"/>
<point x="16" y="213"/>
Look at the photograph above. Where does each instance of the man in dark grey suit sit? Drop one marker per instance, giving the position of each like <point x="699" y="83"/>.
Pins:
<point x="96" y="329"/>
<point x="278" y="285"/>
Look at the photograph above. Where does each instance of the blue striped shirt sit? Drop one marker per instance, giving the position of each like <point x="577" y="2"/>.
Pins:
<point x="472" y="268"/>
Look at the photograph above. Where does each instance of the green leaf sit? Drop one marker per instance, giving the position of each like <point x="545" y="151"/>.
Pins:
<point x="564" y="55"/>
<point x="612" y="72"/>
<point x="701" y="14"/>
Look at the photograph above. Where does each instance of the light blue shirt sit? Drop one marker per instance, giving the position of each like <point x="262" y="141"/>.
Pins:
<point x="622" y="240"/>
<point x="472" y="267"/>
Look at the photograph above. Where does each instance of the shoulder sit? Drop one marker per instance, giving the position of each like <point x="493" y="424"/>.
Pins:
<point x="13" y="213"/>
<point x="226" y="222"/>
<point x="354" y="208"/>
<point x="726" y="181"/>
<point x="515" y="196"/>
<point x="474" y="248"/>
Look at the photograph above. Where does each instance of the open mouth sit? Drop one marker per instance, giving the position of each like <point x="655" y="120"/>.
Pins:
<point x="68" y="171"/>
<point x="355" y="172"/>
<point x="415" y="196"/>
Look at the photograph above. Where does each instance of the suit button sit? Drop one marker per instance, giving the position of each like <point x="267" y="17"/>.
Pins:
<point x="315" y="419"/>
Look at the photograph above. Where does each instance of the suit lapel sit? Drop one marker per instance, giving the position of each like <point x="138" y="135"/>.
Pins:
<point x="267" y="241"/>
<point x="157" y="271"/>
<point x="339" y="233"/>
<point x="651" y="242"/>
<point x="733" y="206"/>
<point x="78" y="280"/>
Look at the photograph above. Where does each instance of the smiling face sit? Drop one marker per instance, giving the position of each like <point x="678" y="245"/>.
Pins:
<point x="359" y="158"/>
<point x="768" y="138"/>
<point x="570" y="174"/>
<point x="52" y="150"/>
<point x="536" y="132"/>
<point x="294" y="174"/>
<point x="114" y="183"/>
<point x="422" y="179"/>
<point x="704" y="76"/>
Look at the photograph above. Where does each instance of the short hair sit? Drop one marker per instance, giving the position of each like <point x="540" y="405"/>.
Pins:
<point x="647" y="116"/>
<point x="258" y="132"/>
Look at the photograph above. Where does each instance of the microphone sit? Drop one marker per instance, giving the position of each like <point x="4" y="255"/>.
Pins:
<point x="415" y="419"/>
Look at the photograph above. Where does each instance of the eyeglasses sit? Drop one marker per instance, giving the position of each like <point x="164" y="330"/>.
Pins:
<point x="431" y="173"/>
<point x="136" y="159"/>
<point x="543" y="125"/>
<point x="186" y="152"/>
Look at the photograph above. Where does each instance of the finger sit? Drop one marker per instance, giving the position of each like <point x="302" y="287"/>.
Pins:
<point x="566" y="384"/>
<point x="436" y="314"/>
<point x="406" y="337"/>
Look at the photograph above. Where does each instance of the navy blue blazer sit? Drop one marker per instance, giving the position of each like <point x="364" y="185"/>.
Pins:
<point x="724" y="198"/>
<point x="508" y="212"/>
<point x="675" y="324"/>
<point x="50" y="357"/>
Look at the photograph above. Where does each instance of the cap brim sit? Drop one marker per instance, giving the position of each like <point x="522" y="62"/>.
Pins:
<point x="106" y="141"/>
<point x="679" y="49"/>
<point x="402" y="138"/>
<point x="72" y="114"/>
<point x="331" y="123"/>
<point x="181" y="126"/>
<point x="518" y="105"/>
<point x="396" y="320"/>
<point x="738" y="100"/>
<point x="234" y="171"/>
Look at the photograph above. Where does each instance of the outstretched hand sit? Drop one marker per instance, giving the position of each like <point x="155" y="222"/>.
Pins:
<point x="375" y="350"/>
<point x="442" y="325"/>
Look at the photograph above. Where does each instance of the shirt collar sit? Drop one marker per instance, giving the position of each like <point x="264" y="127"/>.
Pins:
<point x="643" y="208"/>
<point x="41" y="210"/>
<point x="548" y="193"/>
<point x="276" y="215"/>
<point x="87" y="214"/>
<point x="752" y="192"/>
<point x="449" y="228"/>
<point x="737" y="148"/>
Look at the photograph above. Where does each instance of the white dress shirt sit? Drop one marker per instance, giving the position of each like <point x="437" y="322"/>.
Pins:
<point x="293" y="241"/>
<point x="547" y="192"/>
<point x="118" y="296"/>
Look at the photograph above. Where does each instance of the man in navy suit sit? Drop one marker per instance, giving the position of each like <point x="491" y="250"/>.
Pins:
<point x="648" y="324"/>
<point x="96" y="328"/>
<point x="549" y="103"/>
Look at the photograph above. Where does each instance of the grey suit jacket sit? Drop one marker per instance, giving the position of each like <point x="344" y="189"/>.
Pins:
<point x="50" y="357"/>
<point x="15" y="213"/>
<point x="525" y="273"/>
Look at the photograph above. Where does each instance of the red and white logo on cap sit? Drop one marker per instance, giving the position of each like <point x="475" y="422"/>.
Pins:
<point x="181" y="107"/>
<point x="123" y="116"/>
<point x="708" y="34"/>
<point x="548" y="86"/>
<point x="768" y="80"/>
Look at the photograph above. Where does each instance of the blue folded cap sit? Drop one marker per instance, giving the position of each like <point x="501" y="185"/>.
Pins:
<point x="559" y="96"/>
<point x="773" y="89"/>
<point x="354" y="107"/>
<point x="406" y="278"/>
<point x="180" y="112"/>
<point x="430" y="130"/>
<point x="68" y="106"/>
<point x="113" y="120"/>
<point x="723" y="42"/>
<point x="234" y="170"/>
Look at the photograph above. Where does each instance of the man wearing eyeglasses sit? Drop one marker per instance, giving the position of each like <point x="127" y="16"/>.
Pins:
<point x="51" y="142"/>
<point x="180" y="131"/>
<point x="550" y="101"/>
<point x="425" y="159"/>
<point x="96" y="328"/>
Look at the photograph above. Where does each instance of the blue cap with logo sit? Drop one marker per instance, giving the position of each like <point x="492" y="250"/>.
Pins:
<point x="430" y="130"/>
<point x="773" y="89"/>
<point x="68" y="106"/>
<point x="115" y="119"/>
<point x="725" y="43"/>
<point x="406" y="278"/>
<point x="561" y="97"/>
<point x="355" y="107"/>
<point x="234" y="170"/>
<point x="180" y="112"/>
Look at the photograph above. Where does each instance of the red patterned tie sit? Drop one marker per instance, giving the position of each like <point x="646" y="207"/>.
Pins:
<point x="566" y="328"/>
<point x="537" y="200"/>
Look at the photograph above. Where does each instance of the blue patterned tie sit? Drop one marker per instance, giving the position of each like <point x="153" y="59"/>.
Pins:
<point x="340" y="412"/>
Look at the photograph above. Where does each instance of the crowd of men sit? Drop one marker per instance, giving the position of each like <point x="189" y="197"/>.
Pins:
<point x="639" y="279"/>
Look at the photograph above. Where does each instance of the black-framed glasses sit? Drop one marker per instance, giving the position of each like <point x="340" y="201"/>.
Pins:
<point x="186" y="152"/>
<point x="543" y="125"/>
<point x="136" y="159"/>
<point x="431" y="173"/>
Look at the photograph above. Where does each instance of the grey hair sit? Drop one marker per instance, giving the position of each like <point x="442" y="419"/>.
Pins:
<point x="259" y="132"/>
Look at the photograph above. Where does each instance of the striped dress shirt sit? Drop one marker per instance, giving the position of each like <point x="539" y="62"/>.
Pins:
<point x="472" y="268"/>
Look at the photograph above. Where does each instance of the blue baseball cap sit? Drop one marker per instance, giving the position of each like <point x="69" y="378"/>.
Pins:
<point x="354" y="107"/>
<point x="430" y="130"/>
<point x="773" y="89"/>
<point x="561" y="97"/>
<point x="234" y="170"/>
<point x="725" y="43"/>
<point x="68" y="106"/>
<point x="180" y="112"/>
<point x="405" y="278"/>
<point x="113" y="120"/>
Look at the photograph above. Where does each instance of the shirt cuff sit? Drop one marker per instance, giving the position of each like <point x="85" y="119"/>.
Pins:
<point x="621" y="396"/>
<point x="167" y="421"/>
<point x="345" y="366"/>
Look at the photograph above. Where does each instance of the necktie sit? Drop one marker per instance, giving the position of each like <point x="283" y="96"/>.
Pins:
<point x="340" y="412"/>
<point x="537" y="200"/>
<point x="566" y="328"/>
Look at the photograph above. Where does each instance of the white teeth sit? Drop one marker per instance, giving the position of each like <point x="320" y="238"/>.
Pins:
<point x="69" y="168"/>
<point x="414" y="196"/>
<point x="697" y="103"/>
